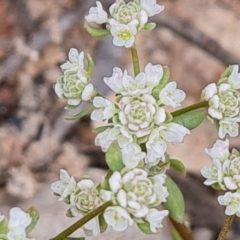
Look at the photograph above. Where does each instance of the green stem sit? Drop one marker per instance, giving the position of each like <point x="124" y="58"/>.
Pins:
<point x="135" y="60"/>
<point x="63" y="235"/>
<point x="189" y="108"/>
<point x="225" y="228"/>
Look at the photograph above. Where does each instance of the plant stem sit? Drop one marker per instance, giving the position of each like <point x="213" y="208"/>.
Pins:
<point x="135" y="60"/>
<point x="225" y="228"/>
<point x="189" y="108"/>
<point x="63" y="235"/>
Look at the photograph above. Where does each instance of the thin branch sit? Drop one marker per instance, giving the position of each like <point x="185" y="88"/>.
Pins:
<point x="187" y="31"/>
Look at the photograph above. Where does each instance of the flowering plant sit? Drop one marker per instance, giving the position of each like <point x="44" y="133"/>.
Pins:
<point x="137" y="128"/>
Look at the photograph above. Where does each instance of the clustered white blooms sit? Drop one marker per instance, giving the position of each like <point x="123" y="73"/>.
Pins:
<point x="138" y="115"/>
<point x="224" y="174"/>
<point x="224" y="102"/>
<point x="126" y="19"/>
<point x="15" y="227"/>
<point x="135" y="196"/>
<point x="74" y="84"/>
<point x="82" y="198"/>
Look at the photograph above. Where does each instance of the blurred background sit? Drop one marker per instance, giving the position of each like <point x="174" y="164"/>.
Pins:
<point x="196" y="39"/>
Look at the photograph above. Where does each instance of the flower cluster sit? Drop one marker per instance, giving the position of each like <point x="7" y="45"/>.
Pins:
<point x="126" y="19"/>
<point x="224" y="102"/>
<point x="82" y="198"/>
<point x="134" y="195"/>
<point x="16" y="228"/>
<point x="224" y="174"/>
<point x="138" y="115"/>
<point x="74" y="84"/>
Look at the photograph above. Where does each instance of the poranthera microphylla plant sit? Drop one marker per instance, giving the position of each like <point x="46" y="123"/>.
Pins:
<point x="135" y="133"/>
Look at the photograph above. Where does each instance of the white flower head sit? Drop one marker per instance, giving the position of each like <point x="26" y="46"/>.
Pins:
<point x="87" y="92"/>
<point x="228" y="126"/>
<point x="132" y="155"/>
<point x="156" y="148"/>
<point x="123" y="35"/>
<point x="171" y="96"/>
<point x="220" y="150"/>
<point x="232" y="201"/>
<point x="134" y="191"/>
<point x="209" y="91"/>
<point x="103" y="140"/>
<point x="118" y="218"/>
<point x="154" y="74"/>
<point x="105" y="111"/>
<point x="65" y="186"/>
<point x="85" y="199"/>
<point x="75" y="62"/>
<point x="155" y="218"/>
<point x="92" y="228"/>
<point x="151" y="7"/>
<point x="234" y="78"/>
<point x="97" y="14"/>
<point x="174" y="132"/>
<point x="213" y="174"/>
<point x="18" y="221"/>
<point x="121" y="135"/>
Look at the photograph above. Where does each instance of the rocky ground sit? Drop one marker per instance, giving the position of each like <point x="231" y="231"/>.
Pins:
<point x="36" y="141"/>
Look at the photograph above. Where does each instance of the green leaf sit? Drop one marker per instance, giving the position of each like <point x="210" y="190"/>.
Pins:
<point x="149" y="26"/>
<point x="225" y="75"/>
<point x="70" y="107"/>
<point x="162" y="83"/>
<point x="96" y="32"/>
<point x="34" y="214"/>
<point x="145" y="228"/>
<point x="175" y="201"/>
<point x="3" y="226"/>
<point x="190" y="120"/>
<point x="104" y="183"/>
<point x="114" y="157"/>
<point x="102" y="223"/>
<point x="90" y="65"/>
<point x="81" y="114"/>
<point x="178" y="165"/>
<point x="100" y="129"/>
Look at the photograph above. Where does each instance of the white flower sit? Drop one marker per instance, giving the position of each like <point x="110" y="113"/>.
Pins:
<point x="118" y="218"/>
<point x="97" y="14"/>
<point x="155" y="217"/>
<point x="214" y="174"/>
<point x="74" y="84"/>
<point x="232" y="201"/>
<point x="75" y="62"/>
<point x="154" y="74"/>
<point x="85" y="199"/>
<point x="105" y="111"/>
<point x="18" y="221"/>
<point x="103" y="140"/>
<point x="228" y="126"/>
<point x="65" y="186"/>
<point x="220" y="150"/>
<point x="174" y="132"/>
<point x="121" y="135"/>
<point x="209" y="91"/>
<point x="156" y="148"/>
<point x="92" y="228"/>
<point x="234" y="78"/>
<point x="123" y="35"/>
<point x="132" y="154"/>
<point x="151" y="7"/>
<point x="135" y="192"/>
<point x="115" y="82"/>
<point x="158" y="184"/>
<point x="87" y="92"/>
<point x="171" y="96"/>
